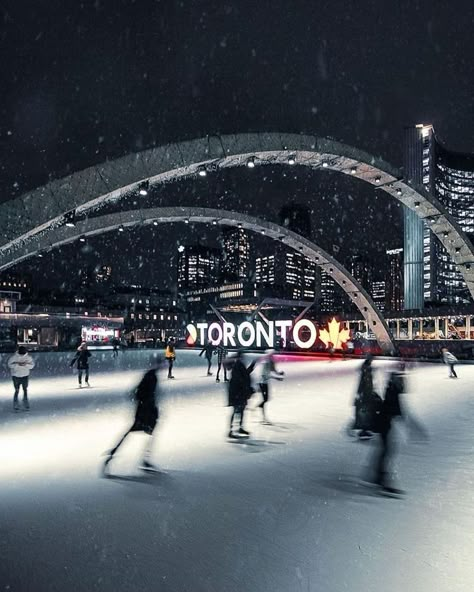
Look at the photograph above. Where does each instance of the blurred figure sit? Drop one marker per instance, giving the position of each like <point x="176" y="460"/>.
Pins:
<point x="390" y="410"/>
<point x="240" y="390"/>
<point x="363" y="398"/>
<point x="21" y="364"/>
<point x="170" y="355"/>
<point x="269" y="371"/>
<point x="115" y="348"/>
<point x="146" y="414"/>
<point x="450" y="360"/>
<point x="208" y="349"/>
<point x="82" y="360"/>
<point x="221" y="357"/>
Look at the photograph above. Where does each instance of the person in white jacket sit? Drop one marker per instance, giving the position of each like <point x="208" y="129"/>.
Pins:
<point x="21" y="364"/>
<point x="450" y="360"/>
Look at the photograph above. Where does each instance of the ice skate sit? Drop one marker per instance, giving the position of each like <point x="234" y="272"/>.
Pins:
<point x="16" y="406"/>
<point x="26" y="405"/>
<point x="148" y="467"/>
<point x="244" y="433"/>
<point x="218" y="379"/>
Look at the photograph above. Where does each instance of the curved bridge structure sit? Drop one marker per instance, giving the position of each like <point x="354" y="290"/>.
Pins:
<point x="97" y="225"/>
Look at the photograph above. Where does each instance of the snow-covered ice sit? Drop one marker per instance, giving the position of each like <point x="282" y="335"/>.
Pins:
<point x="287" y="512"/>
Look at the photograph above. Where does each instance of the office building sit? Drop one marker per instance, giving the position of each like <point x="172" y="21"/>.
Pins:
<point x="290" y="274"/>
<point x="394" y="292"/>
<point x="198" y="267"/>
<point x="236" y="254"/>
<point x="429" y="273"/>
<point x="378" y="293"/>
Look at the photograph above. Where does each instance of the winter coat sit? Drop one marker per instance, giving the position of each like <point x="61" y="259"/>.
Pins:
<point x="391" y="407"/>
<point x="221" y="354"/>
<point x="82" y="359"/>
<point x="366" y="385"/>
<point x="146" y="414"/>
<point x="209" y="350"/>
<point x="268" y="370"/>
<point x="240" y="385"/>
<point x="449" y="358"/>
<point x="20" y="365"/>
<point x="170" y="353"/>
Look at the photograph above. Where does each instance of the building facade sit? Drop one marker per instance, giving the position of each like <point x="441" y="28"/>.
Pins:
<point x="235" y="264"/>
<point x="394" y="292"/>
<point x="198" y="267"/>
<point x="429" y="273"/>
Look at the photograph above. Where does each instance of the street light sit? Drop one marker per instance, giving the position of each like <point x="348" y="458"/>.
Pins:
<point x="143" y="188"/>
<point x="70" y="219"/>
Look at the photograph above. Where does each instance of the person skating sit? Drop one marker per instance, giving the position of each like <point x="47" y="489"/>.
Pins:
<point x="115" y="348"/>
<point x="449" y="359"/>
<point x="269" y="371"/>
<point x="208" y="350"/>
<point x="82" y="360"/>
<point x="221" y="357"/>
<point x="390" y="410"/>
<point x="363" y="396"/>
<point x="146" y="415"/>
<point x="170" y="355"/>
<point x="20" y="365"/>
<point x="240" y="390"/>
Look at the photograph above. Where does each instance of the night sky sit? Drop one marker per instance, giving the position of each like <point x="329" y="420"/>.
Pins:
<point x="87" y="81"/>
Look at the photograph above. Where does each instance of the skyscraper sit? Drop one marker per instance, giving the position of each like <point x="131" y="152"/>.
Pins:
<point x="418" y="166"/>
<point x="394" y="280"/>
<point x="198" y="267"/>
<point x="236" y="254"/>
<point x="429" y="272"/>
<point x="361" y="269"/>
<point x="290" y="274"/>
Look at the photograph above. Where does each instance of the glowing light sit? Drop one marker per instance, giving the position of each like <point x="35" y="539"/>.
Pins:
<point x="353" y="171"/>
<point x="291" y="160"/>
<point x="192" y="334"/>
<point x="143" y="188"/>
<point x="82" y="239"/>
<point x="334" y="334"/>
<point x="325" y="164"/>
<point x="251" y="162"/>
<point x="202" y="171"/>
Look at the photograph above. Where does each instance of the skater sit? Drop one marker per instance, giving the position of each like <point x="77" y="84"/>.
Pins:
<point x="82" y="360"/>
<point x="391" y="409"/>
<point x="268" y="371"/>
<point x="115" y="349"/>
<point x="362" y="399"/>
<point x="240" y="390"/>
<point x="21" y="364"/>
<point x="221" y="357"/>
<point x="450" y="360"/>
<point x="208" y="349"/>
<point x="170" y="356"/>
<point x="146" y="414"/>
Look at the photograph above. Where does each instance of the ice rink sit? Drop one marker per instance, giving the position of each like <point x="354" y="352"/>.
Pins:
<point x="286" y="512"/>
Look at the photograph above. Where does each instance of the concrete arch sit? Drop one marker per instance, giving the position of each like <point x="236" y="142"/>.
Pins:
<point x="109" y="222"/>
<point x="42" y="210"/>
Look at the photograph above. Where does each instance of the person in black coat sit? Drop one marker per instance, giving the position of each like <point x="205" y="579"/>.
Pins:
<point x="146" y="414"/>
<point x="82" y="360"/>
<point x="208" y="349"/>
<point x="390" y="410"/>
<point x="240" y="390"/>
<point x="362" y="399"/>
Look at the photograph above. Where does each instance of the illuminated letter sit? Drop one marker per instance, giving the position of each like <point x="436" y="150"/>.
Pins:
<point x="283" y="326"/>
<point x="202" y="327"/>
<point x="268" y="336"/>
<point x="312" y="329"/>
<point x="241" y="329"/>
<point x="229" y="334"/>
<point x="214" y="327"/>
